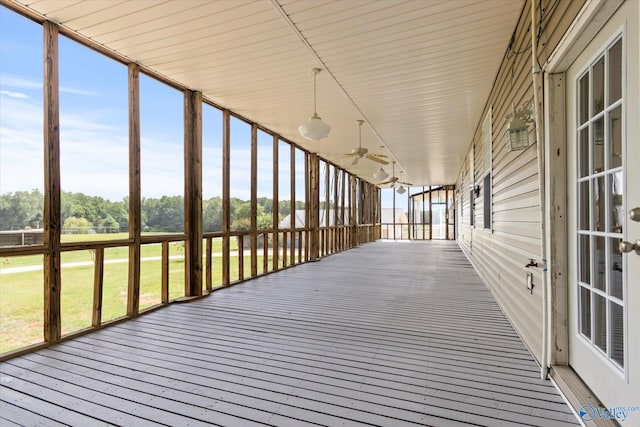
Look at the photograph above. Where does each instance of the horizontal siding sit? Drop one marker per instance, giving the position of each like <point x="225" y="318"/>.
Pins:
<point x="500" y="255"/>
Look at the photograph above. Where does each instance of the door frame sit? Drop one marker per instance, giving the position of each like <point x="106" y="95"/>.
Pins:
<point x="589" y="21"/>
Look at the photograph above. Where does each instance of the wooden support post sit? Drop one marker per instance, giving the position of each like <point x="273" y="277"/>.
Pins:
<point x="343" y="222"/>
<point x="430" y="213"/>
<point x="135" y="200"/>
<point x="254" y="200"/>
<point x="164" y="279"/>
<point x="240" y="257"/>
<point x="265" y="253"/>
<point x="98" y="281"/>
<point x="314" y="208"/>
<point x="422" y="214"/>
<point x="327" y="206"/>
<point x="209" y="265"/>
<point x="226" y="201"/>
<point x="284" y="248"/>
<point x="555" y="218"/>
<point x="307" y="204"/>
<point x="292" y="163"/>
<point x="336" y="222"/>
<point x="193" y="192"/>
<point x="354" y="218"/>
<point x="52" y="203"/>
<point x="275" y="245"/>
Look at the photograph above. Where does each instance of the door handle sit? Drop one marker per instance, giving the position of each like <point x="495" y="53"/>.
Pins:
<point x="634" y="214"/>
<point x="626" y="247"/>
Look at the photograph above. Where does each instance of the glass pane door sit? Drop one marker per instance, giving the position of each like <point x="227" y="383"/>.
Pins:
<point x="600" y="210"/>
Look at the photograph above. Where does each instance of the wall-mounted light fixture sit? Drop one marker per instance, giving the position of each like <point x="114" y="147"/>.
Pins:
<point x="517" y="133"/>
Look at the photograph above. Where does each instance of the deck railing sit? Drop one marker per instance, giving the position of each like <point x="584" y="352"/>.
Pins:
<point x="416" y="231"/>
<point x="98" y="276"/>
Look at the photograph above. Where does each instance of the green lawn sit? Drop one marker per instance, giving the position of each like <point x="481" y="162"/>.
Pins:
<point x="21" y="293"/>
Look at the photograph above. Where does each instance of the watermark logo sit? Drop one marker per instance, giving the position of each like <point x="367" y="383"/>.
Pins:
<point x="619" y="413"/>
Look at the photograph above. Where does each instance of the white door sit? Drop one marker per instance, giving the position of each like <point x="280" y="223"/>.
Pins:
<point x="603" y="134"/>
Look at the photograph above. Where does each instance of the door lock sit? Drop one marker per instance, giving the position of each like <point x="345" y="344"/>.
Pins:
<point x="626" y="247"/>
<point x="634" y="214"/>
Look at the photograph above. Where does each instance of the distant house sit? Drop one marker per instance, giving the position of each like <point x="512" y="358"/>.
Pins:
<point x="285" y="223"/>
<point x="393" y="222"/>
<point x="300" y="219"/>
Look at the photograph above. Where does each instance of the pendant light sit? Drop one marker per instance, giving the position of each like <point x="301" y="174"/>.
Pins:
<point x="380" y="174"/>
<point x="401" y="190"/>
<point x="314" y="129"/>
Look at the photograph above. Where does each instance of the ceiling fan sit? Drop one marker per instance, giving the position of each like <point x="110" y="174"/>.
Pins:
<point x="361" y="151"/>
<point x="394" y="179"/>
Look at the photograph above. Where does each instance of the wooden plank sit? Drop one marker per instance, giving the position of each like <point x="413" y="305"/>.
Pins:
<point x="578" y="394"/>
<point x="52" y="221"/>
<point x="57" y="394"/>
<point x="322" y="343"/>
<point x="21" y="409"/>
<point x="98" y="280"/>
<point x="135" y="194"/>
<point x="193" y="192"/>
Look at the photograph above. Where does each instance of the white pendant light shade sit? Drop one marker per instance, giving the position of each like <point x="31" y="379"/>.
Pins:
<point x="401" y="190"/>
<point x="314" y="128"/>
<point x="380" y="174"/>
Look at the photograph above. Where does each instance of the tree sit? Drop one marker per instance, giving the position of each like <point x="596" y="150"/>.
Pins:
<point x="75" y="225"/>
<point x="164" y="215"/>
<point x="21" y="209"/>
<point x="212" y="214"/>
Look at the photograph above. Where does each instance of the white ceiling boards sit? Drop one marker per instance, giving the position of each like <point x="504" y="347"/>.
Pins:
<point x="418" y="72"/>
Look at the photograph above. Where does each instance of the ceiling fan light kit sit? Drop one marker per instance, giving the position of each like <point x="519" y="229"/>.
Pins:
<point x="314" y="129"/>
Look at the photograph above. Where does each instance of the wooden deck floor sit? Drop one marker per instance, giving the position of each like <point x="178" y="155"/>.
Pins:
<point x="389" y="334"/>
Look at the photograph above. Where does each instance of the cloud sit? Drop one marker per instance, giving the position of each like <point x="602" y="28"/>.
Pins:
<point x="15" y="82"/>
<point x="19" y="82"/>
<point x="76" y="91"/>
<point x="11" y="94"/>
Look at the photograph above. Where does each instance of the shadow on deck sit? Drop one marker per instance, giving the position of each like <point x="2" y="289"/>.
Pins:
<point x="388" y="334"/>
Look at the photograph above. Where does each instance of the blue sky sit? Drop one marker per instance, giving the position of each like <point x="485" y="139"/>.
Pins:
<point x="94" y="133"/>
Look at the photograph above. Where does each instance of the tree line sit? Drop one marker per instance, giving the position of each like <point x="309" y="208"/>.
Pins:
<point x="82" y="213"/>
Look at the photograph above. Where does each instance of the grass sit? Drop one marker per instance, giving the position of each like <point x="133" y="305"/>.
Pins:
<point x="21" y="293"/>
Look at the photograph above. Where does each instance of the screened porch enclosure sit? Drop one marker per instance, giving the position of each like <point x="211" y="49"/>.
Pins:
<point x="429" y="214"/>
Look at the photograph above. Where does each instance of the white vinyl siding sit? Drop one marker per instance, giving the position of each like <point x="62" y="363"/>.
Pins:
<point x="500" y="256"/>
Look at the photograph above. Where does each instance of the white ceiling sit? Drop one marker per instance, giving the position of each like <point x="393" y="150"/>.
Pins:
<point x="418" y="72"/>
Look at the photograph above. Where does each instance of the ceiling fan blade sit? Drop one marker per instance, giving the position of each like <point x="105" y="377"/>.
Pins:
<point x="355" y="161"/>
<point x="376" y="159"/>
<point x="350" y="154"/>
<point x="405" y="183"/>
<point x="385" y="182"/>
